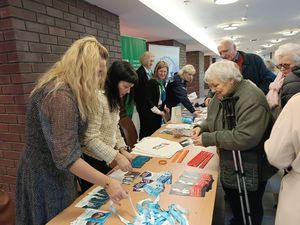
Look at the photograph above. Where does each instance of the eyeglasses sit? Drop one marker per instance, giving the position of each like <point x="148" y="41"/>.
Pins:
<point x="283" y="66"/>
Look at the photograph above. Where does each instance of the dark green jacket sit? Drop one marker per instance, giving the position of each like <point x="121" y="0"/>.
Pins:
<point x="253" y="125"/>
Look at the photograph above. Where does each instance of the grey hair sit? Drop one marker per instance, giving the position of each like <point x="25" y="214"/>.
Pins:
<point x="290" y="49"/>
<point x="188" y="68"/>
<point x="145" y="57"/>
<point x="227" y="41"/>
<point x="224" y="70"/>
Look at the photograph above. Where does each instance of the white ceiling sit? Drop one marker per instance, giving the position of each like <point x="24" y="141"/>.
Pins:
<point x="265" y="20"/>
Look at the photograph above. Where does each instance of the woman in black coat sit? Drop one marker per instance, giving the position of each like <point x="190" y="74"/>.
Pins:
<point x="155" y="99"/>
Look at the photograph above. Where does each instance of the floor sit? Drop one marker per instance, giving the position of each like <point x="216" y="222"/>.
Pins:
<point x="222" y="212"/>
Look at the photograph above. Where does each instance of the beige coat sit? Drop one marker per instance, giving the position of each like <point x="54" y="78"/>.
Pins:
<point x="283" y="150"/>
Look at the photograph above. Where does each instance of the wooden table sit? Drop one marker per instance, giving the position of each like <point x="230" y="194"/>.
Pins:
<point x="200" y="209"/>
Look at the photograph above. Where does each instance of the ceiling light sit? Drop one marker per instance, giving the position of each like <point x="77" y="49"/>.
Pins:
<point x="230" y="26"/>
<point x="258" y="51"/>
<point x="268" y="45"/>
<point x="224" y="2"/>
<point x="289" y="33"/>
<point x="276" y="40"/>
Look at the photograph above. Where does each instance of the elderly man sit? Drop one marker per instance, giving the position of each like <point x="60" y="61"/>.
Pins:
<point x="251" y="66"/>
<point x="145" y="74"/>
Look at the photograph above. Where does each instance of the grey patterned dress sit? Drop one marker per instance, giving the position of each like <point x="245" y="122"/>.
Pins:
<point x="54" y="129"/>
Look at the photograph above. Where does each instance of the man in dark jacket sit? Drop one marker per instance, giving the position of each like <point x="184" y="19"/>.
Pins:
<point x="144" y="73"/>
<point x="251" y="66"/>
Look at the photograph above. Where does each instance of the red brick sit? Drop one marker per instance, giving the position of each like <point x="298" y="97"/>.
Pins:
<point x="23" y="138"/>
<point x="5" y="145"/>
<point x="4" y="80"/>
<point x="13" y="171"/>
<point x="11" y="155"/>
<point x="13" y="89"/>
<point x="75" y="11"/>
<point x="90" y="31"/>
<point x="54" y="12"/>
<point x="24" y="57"/>
<point x="8" y="118"/>
<point x="24" y="78"/>
<point x="21" y="35"/>
<point x="58" y="49"/>
<point x="17" y="12"/>
<point x="38" y="47"/>
<point x="2" y="109"/>
<point x="15" y="109"/>
<point x="3" y="170"/>
<point x="21" y="119"/>
<point x="7" y="163"/>
<point x="24" y="67"/>
<point x="77" y="27"/>
<point x="12" y="2"/>
<point x="10" y="137"/>
<point x="45" y="19"/>
<point x="36" y="27"/>
<point x="8" y="179"/>
<point x="70" y="17"/>
<point x="48" y="39"/>
<point x="11" y="23"/>
<point x="17" y="146"/>
<point x="72" y="34"/>
<point x="57" y="31"/>
<point x="46" y="2"/>
<point x="28" y="87"/>
<point x="89" y="15"/>
<point x="21" y="99"/>
<point x="9" y="68"/>
<point x="34" y="6"/>
<point x="60" y="5"/>
<point x="84" y="21"/>
<point x="3" y="59"/>
<point x="65" y="41"/>
<point x="50" y="57"/>
<point x="12" y="193"/>
<point x="3" y="127"/>
<point x="1" y="36"/>
<point x="7" y="99"/>
<point x="62" y="23"/>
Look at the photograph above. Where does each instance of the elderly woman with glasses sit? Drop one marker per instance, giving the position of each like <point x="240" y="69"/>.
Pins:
<point x="238" y="118"/>
<point x="287" y="82"/>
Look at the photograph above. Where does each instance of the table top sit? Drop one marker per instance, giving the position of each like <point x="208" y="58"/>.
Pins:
<point x="199" y="208"/>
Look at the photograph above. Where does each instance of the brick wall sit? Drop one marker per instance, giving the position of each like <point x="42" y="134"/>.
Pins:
<point x="33" y="35"/>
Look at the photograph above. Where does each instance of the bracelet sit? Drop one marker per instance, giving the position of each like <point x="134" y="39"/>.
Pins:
<point x="108" y="181"/>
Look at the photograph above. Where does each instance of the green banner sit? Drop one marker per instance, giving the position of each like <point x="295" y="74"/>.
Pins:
<point x="132" y="49"/>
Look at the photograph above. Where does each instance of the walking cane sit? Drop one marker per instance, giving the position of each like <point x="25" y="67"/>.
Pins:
<point x="229" y="107"/>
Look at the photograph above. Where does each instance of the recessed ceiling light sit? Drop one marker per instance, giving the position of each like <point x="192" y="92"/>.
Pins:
<point x="253" y="40"/>
<point x="230" y="26"/>
<point x="224" y="2"/>
<point x="277" y="40"/>
<point x="289" y="33"/>
<point x="268" y="45"/>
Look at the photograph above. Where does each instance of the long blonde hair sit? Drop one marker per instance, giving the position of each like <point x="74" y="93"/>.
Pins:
<point x="79" y="68"/>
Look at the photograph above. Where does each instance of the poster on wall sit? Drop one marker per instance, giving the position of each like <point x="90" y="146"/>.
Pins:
<point x="170" y="54"/>
<point x="132" y="48"/>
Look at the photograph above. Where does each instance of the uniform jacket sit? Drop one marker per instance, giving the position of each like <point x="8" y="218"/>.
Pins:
<point x="291" y="86"/>
<point x="177" y="93"/>
<point x="283" y="151"/>
<point x="253" y="124"/>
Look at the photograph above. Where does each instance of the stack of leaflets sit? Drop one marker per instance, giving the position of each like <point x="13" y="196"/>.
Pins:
<point x="95" y="199"/>
<point x="156" y="147"/>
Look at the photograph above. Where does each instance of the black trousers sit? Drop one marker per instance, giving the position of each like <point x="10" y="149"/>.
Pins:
<point x="98" y="165"/>
<point x="255" y="203"/>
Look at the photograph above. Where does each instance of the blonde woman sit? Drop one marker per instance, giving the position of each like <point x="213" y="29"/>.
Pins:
<point x="59" y="106"/>
<point x="176" y="89"/>
<point x="155" y="107"/>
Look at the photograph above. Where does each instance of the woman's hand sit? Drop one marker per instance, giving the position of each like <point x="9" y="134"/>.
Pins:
<point x="123" y="163"/>
<point x="115" y="190"/>
<point x="196" y="132"/>
<point x="128" y="155"/>
<point x="166" y="109"/>
<point x="198" y="140"/>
